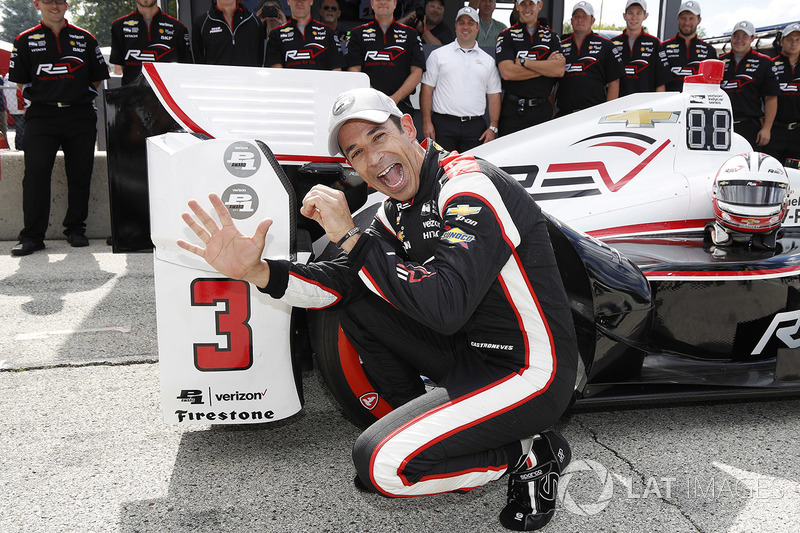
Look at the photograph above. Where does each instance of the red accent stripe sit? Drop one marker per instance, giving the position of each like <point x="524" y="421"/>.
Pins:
<point x="720" y="273"/>
<point x="600" y="167"/>
<point x="319" y="285"/>
<point x="309" y="158"/>
<point x="356" y="379"/>
<point x="654" y="227"/>
<point x="635" y="148"/>
<point x="430" y="443"/>
<point x="161" y="88"/>
<point x="375" y="285"/>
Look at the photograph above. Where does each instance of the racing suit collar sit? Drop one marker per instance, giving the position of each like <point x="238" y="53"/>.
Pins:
<point x="429" y="174"/>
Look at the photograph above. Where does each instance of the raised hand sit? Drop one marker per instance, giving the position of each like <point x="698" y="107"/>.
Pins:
<point x="328" y="208"/>
<point x="228" y="250"/>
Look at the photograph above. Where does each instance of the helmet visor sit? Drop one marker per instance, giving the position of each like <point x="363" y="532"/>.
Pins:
<point x="751" y="193"/>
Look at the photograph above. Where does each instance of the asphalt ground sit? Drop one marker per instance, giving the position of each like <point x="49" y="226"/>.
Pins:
<point x="83" y="445"/>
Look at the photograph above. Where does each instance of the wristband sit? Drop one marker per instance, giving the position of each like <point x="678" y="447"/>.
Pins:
<point x="348" y="235"/>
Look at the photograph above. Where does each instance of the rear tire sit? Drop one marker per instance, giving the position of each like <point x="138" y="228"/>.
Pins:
<point x="340" y="367"/>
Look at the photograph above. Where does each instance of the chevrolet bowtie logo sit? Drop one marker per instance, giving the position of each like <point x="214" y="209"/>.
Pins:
<point x="641" y="118"/>
<point x="462" y="210"/>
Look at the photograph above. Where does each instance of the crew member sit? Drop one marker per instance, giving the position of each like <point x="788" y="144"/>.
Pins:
<point x="645" y="70"/>
<point x="456" y="280"/>
<point x="593" y="68"/>
<point x="329" y="13"/>
<point x="59" y="67"/>
<point x="431" y="28"/>
<point x="459" y="79"/>
<point x="303" y="42"/>
<point x="389" y="53"/>
<point x="751" y="85"/>
<point x="490" y="28"/>
<point x="785" y="138"/>
<point x="529" y="59"/>
<point x="228" y="34"/>
<point x="147" y="34"/>
<point x="686" y="50"/>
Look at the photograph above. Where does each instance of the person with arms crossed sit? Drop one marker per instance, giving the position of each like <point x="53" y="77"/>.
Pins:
<point x="59" y="67"/>
<point x="228" y="34"/>
<point x="147" y="34"/>
<point x="686" y="51"/>
<point x="459" y="78"/>
<point x="593" y="67"/>
<point x="528" y="55"/>
<point x="785" y="138"/>
<point x="389" y="53"/>
<point x="303" y="42"/>
<point x="646" y="71"/>
<point x="486" y="316"/>
<point x="751" y="85"/>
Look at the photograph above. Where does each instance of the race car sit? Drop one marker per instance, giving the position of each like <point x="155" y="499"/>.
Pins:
<point x="660" y="311"/>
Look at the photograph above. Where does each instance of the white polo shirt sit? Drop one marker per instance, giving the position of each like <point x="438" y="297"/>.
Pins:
<point x="461" y="79"/>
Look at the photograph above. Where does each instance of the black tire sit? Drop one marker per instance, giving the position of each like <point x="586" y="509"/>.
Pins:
<point x="341" y="370"/>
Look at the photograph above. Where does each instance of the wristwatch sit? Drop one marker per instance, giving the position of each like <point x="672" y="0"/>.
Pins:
<point x="522" y="61"/>
<point x="493" y="128"/>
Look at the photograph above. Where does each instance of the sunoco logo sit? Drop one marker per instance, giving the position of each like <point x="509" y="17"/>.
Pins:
<point x="242" y="159"/>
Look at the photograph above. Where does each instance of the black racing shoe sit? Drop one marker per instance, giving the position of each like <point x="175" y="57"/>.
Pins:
<point x="27" y="248"/>
<point x="77" y="240"/>
<point x="532" y="485"/>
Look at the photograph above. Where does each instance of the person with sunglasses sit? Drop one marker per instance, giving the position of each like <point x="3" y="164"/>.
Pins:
<point x="329" y="13"/>
<point x="58" y="67"/>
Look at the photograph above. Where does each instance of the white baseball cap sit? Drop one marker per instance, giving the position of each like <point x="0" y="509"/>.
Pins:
<point x="791" y="28"/>
<point x="468" y="11"/>
<point x="630" y="3"/>
<point x="534" y="1"/>
<point x="745" y="26"/>
<point x="365" y="104"/>
<point x="586" y="6"/>
<point x="692" y="6"/>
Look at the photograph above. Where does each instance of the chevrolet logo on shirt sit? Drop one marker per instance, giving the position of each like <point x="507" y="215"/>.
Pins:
<point x="463" y="210"/>
<point x="641" y="118"/>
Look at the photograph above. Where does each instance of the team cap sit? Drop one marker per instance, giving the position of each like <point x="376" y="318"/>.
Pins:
<point x="745" y="26"/>
<point x="470" y="12"/>
<point x="630" y="3"/>
<point x="692" y="6"/>
<point x="365" y="104"/>
<point x="586" y="6"/>
<point x="791" y="28"/>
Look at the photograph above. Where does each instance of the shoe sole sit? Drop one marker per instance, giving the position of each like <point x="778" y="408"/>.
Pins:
<point x="22" y="253"/>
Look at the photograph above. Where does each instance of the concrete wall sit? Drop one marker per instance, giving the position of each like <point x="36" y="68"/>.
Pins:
<point x="12" y="169"/>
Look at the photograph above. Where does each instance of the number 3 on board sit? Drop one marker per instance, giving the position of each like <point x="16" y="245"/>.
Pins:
<point x="231" y="322"/>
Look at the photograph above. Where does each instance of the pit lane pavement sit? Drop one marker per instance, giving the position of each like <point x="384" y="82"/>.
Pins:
<point x="83" y="446"/>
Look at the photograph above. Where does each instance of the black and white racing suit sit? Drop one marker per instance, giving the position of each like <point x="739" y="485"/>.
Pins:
<point x="460" y="284"/>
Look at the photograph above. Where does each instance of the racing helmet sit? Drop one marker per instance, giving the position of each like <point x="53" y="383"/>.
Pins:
<point x="750" y="193"/>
